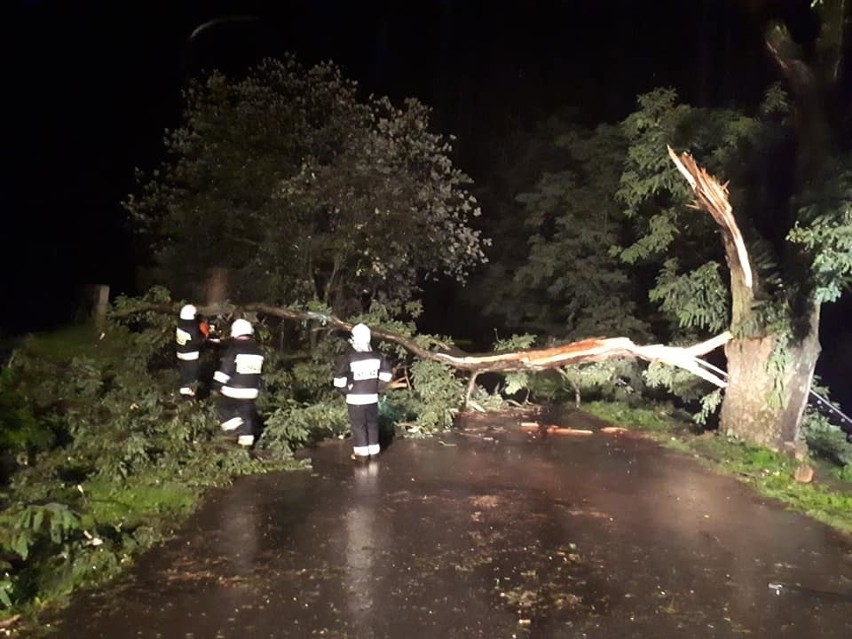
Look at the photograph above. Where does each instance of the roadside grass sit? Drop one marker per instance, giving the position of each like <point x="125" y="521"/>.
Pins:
<point x="145" y="501"/>
<point x="828" y="498"/>
<point x="82" y="340"/>
<point x="657" y="419"/>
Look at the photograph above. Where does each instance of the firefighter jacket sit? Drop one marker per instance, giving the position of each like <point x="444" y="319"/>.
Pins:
<point x="360" y="376"/>
<point x="239" y="371"/>
<point x="189" y="337"/>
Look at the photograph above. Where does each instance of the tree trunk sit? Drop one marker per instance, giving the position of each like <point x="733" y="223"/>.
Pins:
<point x="216" y="286"/>
<point x="762" y="405"/>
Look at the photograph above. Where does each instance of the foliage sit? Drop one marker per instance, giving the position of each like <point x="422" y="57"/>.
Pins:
<point x="612" y="378"/>
<point x="515" y="381"/>
<point x="799" y="242"/>
<point x="306" y="192"/>
<point x="437" y="396"/>
<point x="299" y="424"/>
<point x="825" y="440"/>
<point x="110" y="456"/>
<point x="567" y="284"/>
<point x="20" y="431"/>
<point x="709" y="405"/>
<point x="655" y="196"/>
<point x="824" y="233"/>
<point x="53" y="520"/>
<point x="675" y="380"/>
<point x="695" y="299"/>
<point x="514" y="343"/>
<point x="547" y="387"/>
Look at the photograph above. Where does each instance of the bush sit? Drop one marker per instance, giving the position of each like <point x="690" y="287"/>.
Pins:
<point x="20" y="432"/>
<point x="825" y="440"/>
<point x="298" y="424"/>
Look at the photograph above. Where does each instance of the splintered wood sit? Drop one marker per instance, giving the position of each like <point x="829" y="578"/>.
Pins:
<point x="713" y="198"/>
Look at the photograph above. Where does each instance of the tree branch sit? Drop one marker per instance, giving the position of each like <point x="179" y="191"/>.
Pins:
<point x="589" y="350"/>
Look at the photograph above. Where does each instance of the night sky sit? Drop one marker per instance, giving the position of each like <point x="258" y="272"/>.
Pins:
<point x="92" y="85"/>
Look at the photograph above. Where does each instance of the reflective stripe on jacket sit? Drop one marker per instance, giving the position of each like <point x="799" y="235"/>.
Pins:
<point x="188" y="339"/>
<point x="360" y="376"/>
<point x="239" y="371"/>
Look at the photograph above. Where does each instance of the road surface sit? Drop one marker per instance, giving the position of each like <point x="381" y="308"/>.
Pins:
<point x="484" y="532"/>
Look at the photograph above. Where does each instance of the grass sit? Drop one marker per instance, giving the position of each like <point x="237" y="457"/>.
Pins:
<point x="146" y="499"/>
<point x="645" y="419"/>
<point x="771" y="474"/>
<point x="81" y="340"/>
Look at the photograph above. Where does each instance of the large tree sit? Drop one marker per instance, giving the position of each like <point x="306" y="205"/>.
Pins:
<point x="792" y="171"/>
<point x="799" y="236"/>
<point x="305" y="192"/>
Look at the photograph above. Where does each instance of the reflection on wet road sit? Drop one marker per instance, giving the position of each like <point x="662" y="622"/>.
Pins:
<point x="363" y="537"/>
<point x="487" y="532"/>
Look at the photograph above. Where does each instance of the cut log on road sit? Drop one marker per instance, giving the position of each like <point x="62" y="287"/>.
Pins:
<point x="555" y="430"/>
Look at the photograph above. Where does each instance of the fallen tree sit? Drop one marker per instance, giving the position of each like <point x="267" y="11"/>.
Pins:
<point x="711" y="196"/>
<point x="537" y="359"/>
<point x="746" y="410"/>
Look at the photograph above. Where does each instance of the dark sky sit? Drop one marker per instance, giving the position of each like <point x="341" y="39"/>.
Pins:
<point x="92" y="85"/>
<point x="95" y="83"/>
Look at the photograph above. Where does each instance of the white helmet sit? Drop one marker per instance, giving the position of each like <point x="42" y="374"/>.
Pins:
<point x="188" y="312"/>
<point x="241" y="327"/>
<point x="360" y="339"/>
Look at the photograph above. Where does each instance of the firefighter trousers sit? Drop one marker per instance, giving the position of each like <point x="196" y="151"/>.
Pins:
<point x="364" y="424"/>
<point x="238" y="417"/>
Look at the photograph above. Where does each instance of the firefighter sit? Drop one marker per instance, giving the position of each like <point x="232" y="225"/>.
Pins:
<point x="190" y="334"/>
<point x="238" y="383"/>
<point x="361" y="374"/>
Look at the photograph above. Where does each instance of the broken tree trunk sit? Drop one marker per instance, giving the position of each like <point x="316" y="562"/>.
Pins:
<point x="590" y="350"/>
<point x="769" y="374"/>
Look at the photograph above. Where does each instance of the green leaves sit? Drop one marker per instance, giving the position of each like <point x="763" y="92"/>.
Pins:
<point x="567" y="283"/>
<point x="824" y="234"/>
<point x="296" y="424"/>
<point x="306" y="192"/>
<point x="698" y="299"/>
<point x="61" y="523"/>
<point x="439" y="394"/>
<point x="104" y="454"/>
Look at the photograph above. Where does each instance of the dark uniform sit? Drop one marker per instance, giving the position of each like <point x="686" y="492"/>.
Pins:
<point x="189" y="338"/>
<point x="360" y="376"/>
<point x="238" y="383"/>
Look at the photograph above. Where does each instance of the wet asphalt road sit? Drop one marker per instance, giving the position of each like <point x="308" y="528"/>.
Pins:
<point x="487" y="532"/>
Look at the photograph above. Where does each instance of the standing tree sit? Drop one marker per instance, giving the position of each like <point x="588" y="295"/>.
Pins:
<point x="306" y="193"/>
<point x="794" y="167"/>
<point x="800" y="240"/>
